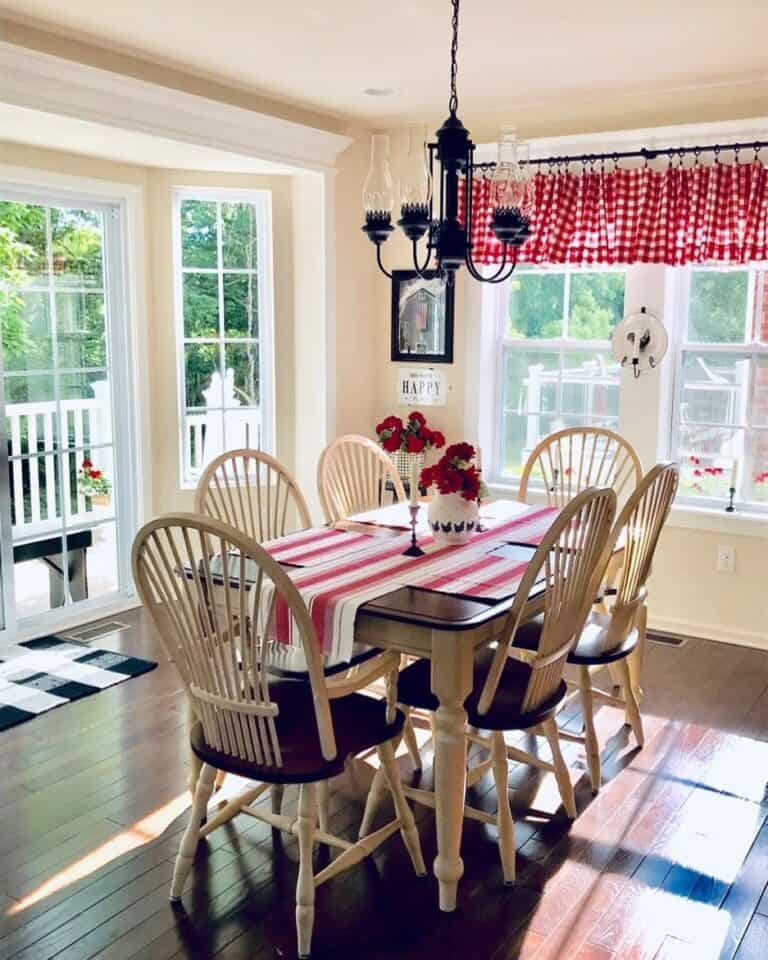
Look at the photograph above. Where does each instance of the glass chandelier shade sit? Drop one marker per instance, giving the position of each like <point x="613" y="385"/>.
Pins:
<point x="378" y="192"/>
<point x="415" y="184"/>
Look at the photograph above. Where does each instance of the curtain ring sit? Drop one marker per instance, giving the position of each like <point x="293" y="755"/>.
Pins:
<point x="671" y="157"/>
<point x="680" y="157"/>
<point x="717" y="153"/>
<point x="615" y="159"/>
<point x="696" y="155"/>
<point x="736" y="150"/>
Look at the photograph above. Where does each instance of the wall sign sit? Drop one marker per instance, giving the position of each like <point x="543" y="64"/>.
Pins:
<point x="422" y="388"/>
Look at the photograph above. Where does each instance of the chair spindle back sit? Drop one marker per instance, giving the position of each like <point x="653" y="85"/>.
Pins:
<point x="571" y="460"/>
<point x="352" y="476"/>
<point x="219" y="648"/>
<point x="252" y="492"/>
<point x="568" y="563"/>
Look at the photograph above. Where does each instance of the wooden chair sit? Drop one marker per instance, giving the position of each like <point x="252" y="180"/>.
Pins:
<point x="254" y="493"/>
<point x="571" y="460"/>
<point x="511" y="694"/>
<point x="250" y="723"/>
<point x="352" y="476"/>
<point x="616" y="638"/>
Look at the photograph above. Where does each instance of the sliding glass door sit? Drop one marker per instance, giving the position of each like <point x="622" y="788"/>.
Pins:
<point x="65" y="491"/>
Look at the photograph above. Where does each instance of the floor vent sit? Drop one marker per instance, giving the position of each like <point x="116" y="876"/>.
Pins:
<point x="668" y="639"/>
<point x="94" y="631"/>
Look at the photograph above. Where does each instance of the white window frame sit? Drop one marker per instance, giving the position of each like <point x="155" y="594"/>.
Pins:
<point x="678" y="324"/>
<point x="262" y="200"/>
<point x="556" y="345"/>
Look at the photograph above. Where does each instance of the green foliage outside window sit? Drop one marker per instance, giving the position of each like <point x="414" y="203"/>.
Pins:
<point x="75" y="258"/>
<point x="537" y="305"/>
<point x="234" y="230"/>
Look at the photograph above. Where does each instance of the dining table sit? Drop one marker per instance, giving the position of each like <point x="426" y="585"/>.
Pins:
<point x="442" y="606"/>
<point x="444" y="626"/>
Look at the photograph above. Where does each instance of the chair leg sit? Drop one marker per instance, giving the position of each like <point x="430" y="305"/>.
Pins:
<point x="408" y="829"/>
<point x="636" y="658"/>
<point x="562" y="774"/>
<point x="305" y="886"/>
<point x="323" y="803"/>
<point x="276" y="794"/>
<point x="376" y="791"/>
<point x="593" y="747"/>
<point x="504" y="821"/>
<point x="409" y="736"/>
<point x="186" y="855"/>
<point x="221" y="776"/>
<point x="633" y="708"/>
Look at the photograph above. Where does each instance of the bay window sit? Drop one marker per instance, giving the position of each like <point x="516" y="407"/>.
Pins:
<point x="224" y="323"/>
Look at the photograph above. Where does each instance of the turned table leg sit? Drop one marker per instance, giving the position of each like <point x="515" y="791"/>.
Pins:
<point x="452" y="655"/>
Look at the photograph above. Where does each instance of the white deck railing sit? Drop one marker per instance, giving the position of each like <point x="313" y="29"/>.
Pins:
<point x="40" y="432"/>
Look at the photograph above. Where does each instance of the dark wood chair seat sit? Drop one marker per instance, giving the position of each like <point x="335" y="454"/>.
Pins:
<point x="289" y="661"/>
<point x="505" y="712"/>
<point x="359" y="723"/>
<point x="590" y="649"/>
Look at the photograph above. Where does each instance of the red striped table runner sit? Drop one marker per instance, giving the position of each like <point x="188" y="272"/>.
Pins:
<point x="335" y="589"/>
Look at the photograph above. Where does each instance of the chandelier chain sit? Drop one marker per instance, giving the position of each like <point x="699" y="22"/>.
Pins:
<point x="453" y="103"/>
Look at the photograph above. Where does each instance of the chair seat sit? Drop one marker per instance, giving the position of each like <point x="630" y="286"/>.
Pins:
<point x="359" y="723"/>
<point x="590" y="649"/>
<point x="505" y="713"/>
<point x="288" y="661"/>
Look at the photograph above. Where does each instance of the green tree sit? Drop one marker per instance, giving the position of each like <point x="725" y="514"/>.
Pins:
<point x="717" y="306"/>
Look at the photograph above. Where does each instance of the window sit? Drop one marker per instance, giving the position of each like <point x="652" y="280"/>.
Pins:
<point x="557" y="369"/>
<point x="720" y="418"/>
<point x="224" y="306"/>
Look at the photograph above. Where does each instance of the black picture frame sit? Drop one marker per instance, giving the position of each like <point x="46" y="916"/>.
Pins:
<point x="422" y="323"/>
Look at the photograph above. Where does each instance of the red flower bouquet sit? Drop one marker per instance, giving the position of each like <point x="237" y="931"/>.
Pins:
<point x="455" y="472"/>
<point x="413" y="436"/>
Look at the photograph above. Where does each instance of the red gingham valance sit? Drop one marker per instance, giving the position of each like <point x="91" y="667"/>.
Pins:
<point x="675" y="216"/>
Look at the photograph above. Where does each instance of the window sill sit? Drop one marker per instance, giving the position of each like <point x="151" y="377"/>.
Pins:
<point x="738" y="523"/>
<point x="683" y="516"/>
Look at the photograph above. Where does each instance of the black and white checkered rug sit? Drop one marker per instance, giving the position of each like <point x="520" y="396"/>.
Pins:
<point x="39" y="675"/>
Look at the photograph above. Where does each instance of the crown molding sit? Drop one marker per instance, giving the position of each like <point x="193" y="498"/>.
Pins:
<point x="51" y="84"/>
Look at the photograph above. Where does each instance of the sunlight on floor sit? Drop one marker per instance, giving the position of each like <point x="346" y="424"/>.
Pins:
<point x="142" y="832"/>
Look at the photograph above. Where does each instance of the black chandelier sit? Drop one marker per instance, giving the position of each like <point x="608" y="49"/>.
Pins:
<point x="448" y="245"/>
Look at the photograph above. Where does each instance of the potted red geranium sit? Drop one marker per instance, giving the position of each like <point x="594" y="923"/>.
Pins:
<point x="92" y="483"/>
<point x="405" y="441"/>
<point x="453" y="511"/>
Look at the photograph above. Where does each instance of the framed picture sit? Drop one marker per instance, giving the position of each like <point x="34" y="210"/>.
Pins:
<point x="422" y="317"/>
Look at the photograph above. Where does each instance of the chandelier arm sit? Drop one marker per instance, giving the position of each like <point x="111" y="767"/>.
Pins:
<point x="497" y="277"/>
<point x="380" y="264"/>
<point x="421" y="270"/>
<point x="494" y="278"/>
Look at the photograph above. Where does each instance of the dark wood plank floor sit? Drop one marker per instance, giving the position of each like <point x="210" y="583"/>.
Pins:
<point x="669" y="861"/>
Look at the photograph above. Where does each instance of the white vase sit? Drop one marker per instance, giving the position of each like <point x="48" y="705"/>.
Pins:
<point x="452" y="519"/>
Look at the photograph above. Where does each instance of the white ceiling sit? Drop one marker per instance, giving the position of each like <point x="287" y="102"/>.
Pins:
<point x="21" y="125"/>
<point x="514" y="56"/>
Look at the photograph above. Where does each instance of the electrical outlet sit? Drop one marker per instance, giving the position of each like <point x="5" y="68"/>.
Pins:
<point x="726" y="558"/>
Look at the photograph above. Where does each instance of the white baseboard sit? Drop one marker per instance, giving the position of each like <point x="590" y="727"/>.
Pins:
<point x="710" y="631"/>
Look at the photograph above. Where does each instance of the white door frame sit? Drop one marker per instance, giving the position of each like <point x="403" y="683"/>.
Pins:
<point x="126" y="293"/>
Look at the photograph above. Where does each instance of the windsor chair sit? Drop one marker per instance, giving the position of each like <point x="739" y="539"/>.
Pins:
<point x="252" y="724"/>
<point x="616" y="638"/>
<point x="511" y="694"/>
<point x="352" y="476"/>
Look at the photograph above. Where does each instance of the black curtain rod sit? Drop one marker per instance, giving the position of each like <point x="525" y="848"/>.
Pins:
<point x="645" y="153"/>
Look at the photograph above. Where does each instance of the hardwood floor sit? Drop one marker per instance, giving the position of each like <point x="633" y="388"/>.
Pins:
<point x="668" y="862"/>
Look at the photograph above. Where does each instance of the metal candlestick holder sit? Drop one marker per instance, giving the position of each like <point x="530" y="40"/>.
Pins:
<point x="414" y="550"/>
<point x="731" y="508"/>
